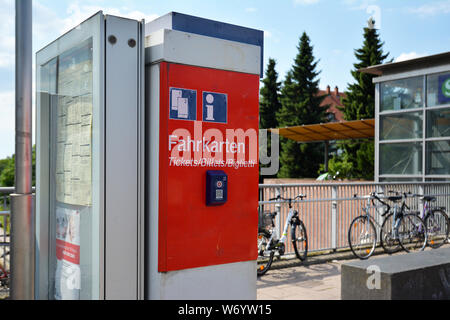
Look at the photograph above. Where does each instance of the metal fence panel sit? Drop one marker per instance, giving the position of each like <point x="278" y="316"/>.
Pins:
<point x="330" y="208"/>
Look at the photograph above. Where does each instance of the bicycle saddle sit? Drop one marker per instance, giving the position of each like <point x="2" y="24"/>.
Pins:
<point x="395" y="198"/>
<point x="429" y="198"/>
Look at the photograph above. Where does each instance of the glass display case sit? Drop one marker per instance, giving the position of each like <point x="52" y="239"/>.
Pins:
<point x="75" y="87"/>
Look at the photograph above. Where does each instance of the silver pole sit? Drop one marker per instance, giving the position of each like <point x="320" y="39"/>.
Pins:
<point x="22" y="202"/>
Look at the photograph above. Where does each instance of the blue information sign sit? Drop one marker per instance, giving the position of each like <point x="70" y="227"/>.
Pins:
<point x="183" y="104"/>
<point x="215" y="107"/>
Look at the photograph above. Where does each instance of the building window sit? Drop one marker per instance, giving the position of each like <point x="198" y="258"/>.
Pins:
<point x="405" y="125"/>
<point x="438" y="158"/>
<point x="438" y="123"/>
<point x="402" y="94"/>
<point x="438" y="89"/>
<point x="401" y="158"/>
<point x="331" y="117"/>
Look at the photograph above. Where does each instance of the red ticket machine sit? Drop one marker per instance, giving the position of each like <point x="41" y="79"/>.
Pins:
<point x="203" y="106"/>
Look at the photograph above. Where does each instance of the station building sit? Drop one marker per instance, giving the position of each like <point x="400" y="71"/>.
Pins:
<point x="412" y="119"/>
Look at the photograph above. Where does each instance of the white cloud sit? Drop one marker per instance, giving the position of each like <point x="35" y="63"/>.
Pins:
<point x="49" y="25"/>
<point x="267" y="34"/>
<point x="358" y="4"/>
<point x="408" y="56"/>
<point x="7" y="123"/>
<point x="7" y="109"/>
<point x="79" y="13"/>
<point x="250" y="10"/>
<point x="7" y="40"/>
<point x="7" y="59"/>
<point x="305" y="2"/>
<point x="431" y="9"/>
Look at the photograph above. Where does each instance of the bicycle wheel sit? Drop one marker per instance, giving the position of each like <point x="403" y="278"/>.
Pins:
<point x="388" y="238"/>
<point x="265" y="257"/>
<point x="362" y="237"/>
<point x="437" y="224"/>
<point x="412" y="233"/>
<point x="299" y="239"/>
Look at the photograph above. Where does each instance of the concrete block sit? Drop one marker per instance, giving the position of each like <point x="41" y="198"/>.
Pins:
<point x="414" y="276"/>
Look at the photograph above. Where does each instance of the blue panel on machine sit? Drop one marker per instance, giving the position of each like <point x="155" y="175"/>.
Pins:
<point x="216" y="188"/>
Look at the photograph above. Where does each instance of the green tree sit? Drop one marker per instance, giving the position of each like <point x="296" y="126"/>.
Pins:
<point x="269" y="98"/>
<point x="7" y="170"/>
<point x="7" y="173"/>
<point x="300" y="105"/>
<point x="269" y="105"/>
<point x="360" y="103"/>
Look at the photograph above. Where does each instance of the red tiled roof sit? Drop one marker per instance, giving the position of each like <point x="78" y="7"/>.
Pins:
<point x="333" y="99"/>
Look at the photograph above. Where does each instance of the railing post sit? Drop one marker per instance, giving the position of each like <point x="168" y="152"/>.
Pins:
<point x="334" y="204"/>
<point x="278" y="211"/>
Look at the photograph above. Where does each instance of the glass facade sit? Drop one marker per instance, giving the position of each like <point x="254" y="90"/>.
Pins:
<point x="414" y="128"/>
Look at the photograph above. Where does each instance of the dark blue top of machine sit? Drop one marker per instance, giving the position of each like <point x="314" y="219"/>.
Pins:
<point x="209" y="28"/>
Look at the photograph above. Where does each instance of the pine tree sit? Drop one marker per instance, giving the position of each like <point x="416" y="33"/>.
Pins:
<point x="269" y="105"/>
<point x="300" y="105"/>
<point x="269" y="98"/>
<point x="360" y="103"/>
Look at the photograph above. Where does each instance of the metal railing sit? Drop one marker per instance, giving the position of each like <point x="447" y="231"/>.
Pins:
<point x="330" y="207"/>
<point x="5" y="214"/>
<point x="327" y="211"/>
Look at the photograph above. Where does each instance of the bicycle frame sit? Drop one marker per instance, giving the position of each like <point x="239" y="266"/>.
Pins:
<point x="292" y="213"/>
<point x="396" y="209"/>
<point x="368" y="206"/>
<point x="273" y="237"/>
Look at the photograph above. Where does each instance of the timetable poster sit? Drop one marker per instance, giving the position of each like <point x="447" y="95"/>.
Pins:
<point x="74" y="127"/>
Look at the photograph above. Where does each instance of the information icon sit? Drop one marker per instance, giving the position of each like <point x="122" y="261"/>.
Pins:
<point x="215" y="107"/>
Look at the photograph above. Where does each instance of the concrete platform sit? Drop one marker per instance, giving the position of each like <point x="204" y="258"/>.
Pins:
<point x="414" y="276"/>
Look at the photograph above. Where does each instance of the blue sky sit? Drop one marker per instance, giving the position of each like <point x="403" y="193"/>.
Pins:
<point x="409" y="29"/>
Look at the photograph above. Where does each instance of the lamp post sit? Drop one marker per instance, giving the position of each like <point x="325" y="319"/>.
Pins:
<point x="22" y="201"/>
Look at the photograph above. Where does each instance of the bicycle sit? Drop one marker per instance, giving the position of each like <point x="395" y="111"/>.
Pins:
<point x="362" y="234"/>
<point x="436" y="221"/>
<point x="4" y="273"/>
<point x="269" y="245"/>
<point x="402" y="228"/>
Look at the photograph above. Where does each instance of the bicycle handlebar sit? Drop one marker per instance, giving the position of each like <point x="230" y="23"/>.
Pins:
<point x="301" y="196"/>
<point x="405" y="194"/>
<point x="374" y="196"/>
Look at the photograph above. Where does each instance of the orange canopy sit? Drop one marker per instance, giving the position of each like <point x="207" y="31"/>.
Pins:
<point x="343" y="130"/>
